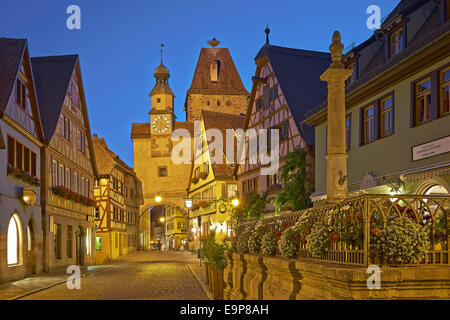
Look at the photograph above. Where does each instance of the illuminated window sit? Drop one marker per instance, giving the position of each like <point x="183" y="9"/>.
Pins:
<point x="68" y="178"/>
<point x="387" y="117"/>
<point x="98" y="243"/>
<point x="368" y="124"/>
<point x="396" y="41"/>
<point x="55" y="173"/>
<point x="75" y="183"/>
<point x="444" y="92"/>
<point x="13" y="240"/>
<point x="88" y="242"/>
<point x="61" y="175"/>
<point x="423" y="101"/>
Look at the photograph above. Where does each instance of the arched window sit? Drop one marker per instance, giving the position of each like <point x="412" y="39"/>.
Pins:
<point x="14" y="240"/>
<point x="436" y="189"/>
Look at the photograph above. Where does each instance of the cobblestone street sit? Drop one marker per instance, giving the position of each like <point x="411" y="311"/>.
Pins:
<point x="139" y="275"/>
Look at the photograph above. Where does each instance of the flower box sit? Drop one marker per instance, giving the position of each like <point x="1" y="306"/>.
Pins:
<point x="24" y="176"/>
<point x="68" y="194"/>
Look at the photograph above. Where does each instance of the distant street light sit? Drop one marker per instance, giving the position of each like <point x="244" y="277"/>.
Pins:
<point x="158" y="198"/>
<point x="162" y="219"/>
<point x="235" y="202"/>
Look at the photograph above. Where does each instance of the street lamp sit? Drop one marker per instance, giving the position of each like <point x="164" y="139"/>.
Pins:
<point x="188" y="203"/>
<point x="162" y="219"/>
<point x="235" y="202"/>
<point x="158" y="198"/>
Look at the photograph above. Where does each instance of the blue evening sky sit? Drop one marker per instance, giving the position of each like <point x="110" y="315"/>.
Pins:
<point x="119" y="44"/>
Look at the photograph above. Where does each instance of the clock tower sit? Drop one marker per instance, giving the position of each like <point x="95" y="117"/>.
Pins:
<point x="161" y="101"/>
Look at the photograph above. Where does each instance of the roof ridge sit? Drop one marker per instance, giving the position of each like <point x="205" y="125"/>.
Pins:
<point x="54" y="58"/>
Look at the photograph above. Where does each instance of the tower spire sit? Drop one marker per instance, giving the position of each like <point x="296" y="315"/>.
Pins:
<point x="161" y="50"/>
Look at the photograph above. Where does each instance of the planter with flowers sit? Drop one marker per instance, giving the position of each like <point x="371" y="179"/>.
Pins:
<point x="24" y="176"/>
<point x="68" y="194"/>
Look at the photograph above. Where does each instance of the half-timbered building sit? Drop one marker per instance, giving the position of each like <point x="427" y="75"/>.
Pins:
<point x="212" y="184"/>
<point x="118" y="195"/>
<point x="21" y="139"/>
<point x="68" y="163"/>
<point x="285" y="83"/>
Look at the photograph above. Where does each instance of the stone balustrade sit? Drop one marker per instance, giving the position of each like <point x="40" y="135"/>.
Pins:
<point x="250" y="277"/>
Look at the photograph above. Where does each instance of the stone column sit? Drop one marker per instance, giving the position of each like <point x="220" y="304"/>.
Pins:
<point x="335" y="76"/>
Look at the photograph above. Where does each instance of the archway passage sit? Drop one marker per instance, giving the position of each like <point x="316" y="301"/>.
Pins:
<point x="80" y="245"/>
<point x="31" y="247"/>
<point x="14" y="241"/>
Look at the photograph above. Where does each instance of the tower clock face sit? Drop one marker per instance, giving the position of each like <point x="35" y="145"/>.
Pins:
<point x="161" y="124"/>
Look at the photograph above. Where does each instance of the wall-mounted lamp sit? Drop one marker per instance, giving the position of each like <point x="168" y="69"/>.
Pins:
<point x="29" y="196"/>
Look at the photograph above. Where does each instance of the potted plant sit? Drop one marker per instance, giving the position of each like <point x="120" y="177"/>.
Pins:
<point x="214" y="255"/>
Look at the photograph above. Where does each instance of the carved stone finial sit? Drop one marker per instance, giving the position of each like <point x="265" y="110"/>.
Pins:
<point x="267" y="31"/>
<point x="214" y="43"/>
<point x="336" y="47"/>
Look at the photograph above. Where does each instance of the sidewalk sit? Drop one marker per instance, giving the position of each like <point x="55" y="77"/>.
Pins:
<point x="20" y="288"/>
<point x="199" y="273"/>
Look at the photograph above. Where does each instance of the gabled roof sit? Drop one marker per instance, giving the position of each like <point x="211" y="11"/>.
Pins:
<point x="298" y="74"/>
<point x="403" y="7"/>
<point x="52" y="77"/>
<point x="229" y="81"/>
<point x="142" y="130"/>
<point x="11" y="53"/>
<point x="222" y="122"/>
<point x="106" y="159"/>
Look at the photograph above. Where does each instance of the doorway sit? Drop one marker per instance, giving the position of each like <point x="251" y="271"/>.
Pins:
<point x="31" y="255"/>
<point x="80" y="246"/>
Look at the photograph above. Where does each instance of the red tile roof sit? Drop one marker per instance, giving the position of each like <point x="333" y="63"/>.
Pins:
<point x="229" y="81"/>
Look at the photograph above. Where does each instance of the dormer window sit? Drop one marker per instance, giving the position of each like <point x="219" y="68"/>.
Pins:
<point x="214" y="70"/>
<point x="352" y="78"/>
<point x="396" y="41"/>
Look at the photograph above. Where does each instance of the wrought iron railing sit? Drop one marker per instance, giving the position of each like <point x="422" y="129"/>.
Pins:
<point x="365" y="217"/>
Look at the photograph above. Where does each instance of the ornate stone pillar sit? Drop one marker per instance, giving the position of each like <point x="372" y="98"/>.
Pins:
<point x="335" y="76"/>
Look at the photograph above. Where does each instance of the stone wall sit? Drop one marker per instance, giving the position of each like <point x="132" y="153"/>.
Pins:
<point x="249" y="277"/>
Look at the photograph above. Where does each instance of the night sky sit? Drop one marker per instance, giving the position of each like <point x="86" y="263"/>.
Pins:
<point x="119" y="44"/>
